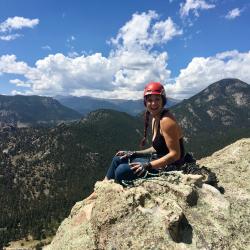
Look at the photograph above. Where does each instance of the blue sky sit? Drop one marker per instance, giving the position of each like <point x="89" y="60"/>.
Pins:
<point x="113" y="48"/>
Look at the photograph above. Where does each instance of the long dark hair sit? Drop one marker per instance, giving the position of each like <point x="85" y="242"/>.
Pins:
<point x="146" y="123"/>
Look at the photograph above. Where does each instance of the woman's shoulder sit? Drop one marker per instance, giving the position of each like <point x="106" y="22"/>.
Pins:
<point x="169" y="123"/>
<point x="167" y="115"/>
<point x="168" y="120"/>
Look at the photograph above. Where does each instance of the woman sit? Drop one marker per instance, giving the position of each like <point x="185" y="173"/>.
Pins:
<point x="167" y="142"/>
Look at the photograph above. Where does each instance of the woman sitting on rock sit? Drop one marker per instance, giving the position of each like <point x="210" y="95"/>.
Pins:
<point x="167" y="151"/>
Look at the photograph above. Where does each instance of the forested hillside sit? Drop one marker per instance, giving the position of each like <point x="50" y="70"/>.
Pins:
<point x="43" y="172"/>
<point x="215" y="117"/>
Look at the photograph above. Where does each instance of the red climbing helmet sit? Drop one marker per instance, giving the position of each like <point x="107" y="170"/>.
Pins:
<point x="155" y="88"/>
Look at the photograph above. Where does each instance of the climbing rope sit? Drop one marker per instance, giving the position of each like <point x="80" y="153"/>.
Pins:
<point x="188" y="168"/>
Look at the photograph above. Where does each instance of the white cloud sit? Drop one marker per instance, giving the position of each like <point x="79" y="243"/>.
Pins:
<point x="143" y="31"/>
<point x="194" y="6"/>
<point x="17" y="23"/>
<point x="60" y="74"/>
<point x="135" y="68"/>
<point x="232" y="14"/>
<point x="123" y="75"/>
<point x="16" y="92"/>
<point x="202" y="71"/>
<point x="164" y="31"/>
<point x="135" y="32"/>
<point x="20" y="83"/>
<point x="132" y="62"/>
<point x="9" y="65"/>
<point x="9" y="37"/>
<point x="121" y="93"/>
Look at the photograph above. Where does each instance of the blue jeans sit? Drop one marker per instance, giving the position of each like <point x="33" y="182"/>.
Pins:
<point x="120" y="170"/>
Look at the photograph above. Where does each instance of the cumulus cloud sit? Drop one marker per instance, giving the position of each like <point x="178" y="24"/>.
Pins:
<point x="202" y="71"/>
<point x="164" y="31"/>
<point x="136" y="68"/>
<point x="122" y="74"/>
<point x="135" y="32"/>
<point x="232" y="14"/>
<point x="57" y="73"/>
<point x="144" y="31"/>
<point x="20" y="83"/>
<point x="8" y="64"/>
<point x="17" y="23"/>
<point x="131" y="63"/>
<point x="194" y="6"/>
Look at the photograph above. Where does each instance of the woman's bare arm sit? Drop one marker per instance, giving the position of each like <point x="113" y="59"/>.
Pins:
<point x="171" y="134"/>
<point x="146" y="151"/>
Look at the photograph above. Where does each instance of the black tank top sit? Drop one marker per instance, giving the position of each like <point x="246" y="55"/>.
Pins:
<point x="159" y="143"/>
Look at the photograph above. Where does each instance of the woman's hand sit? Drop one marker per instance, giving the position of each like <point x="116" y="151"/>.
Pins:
<point x="138" y="168"/>
<point x="120" y="153"/>
<point x="125" y="154"/>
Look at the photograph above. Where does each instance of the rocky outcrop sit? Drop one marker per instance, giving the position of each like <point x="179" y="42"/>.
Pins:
<point x="174" y="211"/>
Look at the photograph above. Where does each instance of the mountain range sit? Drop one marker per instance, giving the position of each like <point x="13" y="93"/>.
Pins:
<point x="45" y="170"/>
<point x="215" y="117"/>
<point x="30" y="111"/>
<point x="85" y="104"/>
<point x="23" y="111"/>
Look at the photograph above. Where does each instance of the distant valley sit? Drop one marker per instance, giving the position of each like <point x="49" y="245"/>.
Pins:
<point x="85" y="104"/>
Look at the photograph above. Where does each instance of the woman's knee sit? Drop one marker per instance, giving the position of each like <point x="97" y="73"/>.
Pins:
<point x="117" y="160"/>
<point x="123" y="172"/>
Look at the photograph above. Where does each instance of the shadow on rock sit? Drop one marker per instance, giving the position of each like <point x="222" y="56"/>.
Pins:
<point x="182" y="231"/>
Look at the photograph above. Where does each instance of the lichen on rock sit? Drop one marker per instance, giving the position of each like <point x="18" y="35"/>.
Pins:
<point x="174" y="211"/>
